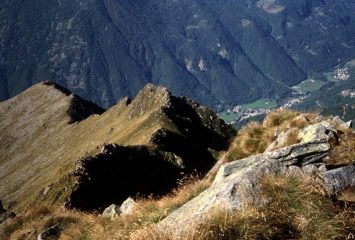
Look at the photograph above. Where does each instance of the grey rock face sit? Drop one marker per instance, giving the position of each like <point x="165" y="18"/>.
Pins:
<point x="236" y="183"/>
<point x="339" y="179"/>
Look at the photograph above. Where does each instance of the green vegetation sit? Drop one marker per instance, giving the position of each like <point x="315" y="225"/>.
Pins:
<point x="265" y="103"/>
<point x="330" y="101"/>
<point x="310" y="85"/>
<point x="228" y="117"/>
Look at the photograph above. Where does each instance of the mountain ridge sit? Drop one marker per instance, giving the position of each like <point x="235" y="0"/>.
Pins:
<point x="40" y="136"/>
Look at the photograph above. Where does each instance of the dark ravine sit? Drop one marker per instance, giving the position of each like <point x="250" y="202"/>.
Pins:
<point x="120" y="172"/>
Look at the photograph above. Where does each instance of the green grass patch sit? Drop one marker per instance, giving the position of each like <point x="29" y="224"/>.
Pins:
<point x="265" y="103"/>
<point x="228" y="117"/>
<point x="310" y="85"/>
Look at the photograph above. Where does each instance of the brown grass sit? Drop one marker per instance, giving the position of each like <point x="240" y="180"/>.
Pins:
<point x="296" y="209"/>
<point x="277" y="118"/>
<point x="343" y="152"/>
<point x="79" y="225"/>
<point x="254" y="138"/>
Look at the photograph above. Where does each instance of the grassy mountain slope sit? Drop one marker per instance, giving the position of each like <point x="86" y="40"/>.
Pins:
<point x="43" y="144"/>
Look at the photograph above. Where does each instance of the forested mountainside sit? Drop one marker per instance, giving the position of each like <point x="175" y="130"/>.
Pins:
<point x="218" y="52"/>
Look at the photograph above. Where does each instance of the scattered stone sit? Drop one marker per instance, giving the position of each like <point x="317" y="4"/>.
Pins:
<point x="112" y="212"/>
<point x="128" y="206"/>
<point x="51" y="233"/>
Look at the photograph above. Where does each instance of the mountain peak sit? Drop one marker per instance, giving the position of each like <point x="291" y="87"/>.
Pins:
<point x="155" y="127"/>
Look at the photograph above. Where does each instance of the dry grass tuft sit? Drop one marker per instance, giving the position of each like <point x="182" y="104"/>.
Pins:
<point x="295" y="209"/>
<point x="277" y="118"/>
<point x="254" y="138"/>
<point x="79" y="225"/>
<point x="343" y="152"/>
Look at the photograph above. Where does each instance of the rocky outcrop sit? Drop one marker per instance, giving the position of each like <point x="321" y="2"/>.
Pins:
<point x="236" y="183"/>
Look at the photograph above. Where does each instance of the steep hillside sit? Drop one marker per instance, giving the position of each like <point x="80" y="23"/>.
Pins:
<point x="48" y="155"/>
<point x="218" y="52"/>
<point x="295" y="181"/>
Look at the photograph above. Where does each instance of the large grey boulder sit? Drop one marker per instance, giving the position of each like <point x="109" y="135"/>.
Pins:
<point x="236" y="183"/>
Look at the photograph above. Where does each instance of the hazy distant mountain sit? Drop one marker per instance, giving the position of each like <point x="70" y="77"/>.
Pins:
<point x="218" y="52"/>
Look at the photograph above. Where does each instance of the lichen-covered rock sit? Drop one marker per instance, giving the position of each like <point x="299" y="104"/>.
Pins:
<point x="236" y="183"/>
<point x="323" y="131"/>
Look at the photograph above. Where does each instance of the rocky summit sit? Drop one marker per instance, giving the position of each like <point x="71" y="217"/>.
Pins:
<point x="59" y="149"/>
<point x="236" y="184"/>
